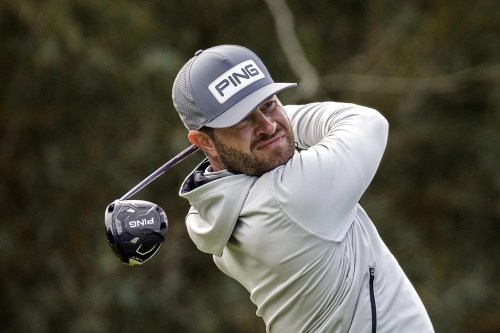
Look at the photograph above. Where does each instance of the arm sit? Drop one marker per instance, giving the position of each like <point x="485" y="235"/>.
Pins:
<point x="322" y="185"/>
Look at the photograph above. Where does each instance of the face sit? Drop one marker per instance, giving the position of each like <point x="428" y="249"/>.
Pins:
<point x="259" y="143"/>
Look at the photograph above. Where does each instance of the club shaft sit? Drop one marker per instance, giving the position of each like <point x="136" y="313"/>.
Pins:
<point x="176" y="159"/>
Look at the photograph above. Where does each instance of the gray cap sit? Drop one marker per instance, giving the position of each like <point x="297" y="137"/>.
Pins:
<point x="221" y="86"/>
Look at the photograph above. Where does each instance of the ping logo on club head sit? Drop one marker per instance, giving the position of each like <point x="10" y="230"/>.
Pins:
<point x="234" y="80"/>
<point x="141" y="222"/>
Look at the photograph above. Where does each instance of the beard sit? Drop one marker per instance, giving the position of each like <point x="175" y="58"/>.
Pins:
<point x="254" y="163"/>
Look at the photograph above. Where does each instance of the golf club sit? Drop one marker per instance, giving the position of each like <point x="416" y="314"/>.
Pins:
<point x="176" y="159"/>
<point x="136" y="229"/>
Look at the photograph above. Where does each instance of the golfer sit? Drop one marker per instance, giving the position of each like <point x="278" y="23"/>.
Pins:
<point x="276" y="200"/>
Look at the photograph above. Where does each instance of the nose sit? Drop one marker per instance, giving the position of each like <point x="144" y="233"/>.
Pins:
<point x="265" y="125"/>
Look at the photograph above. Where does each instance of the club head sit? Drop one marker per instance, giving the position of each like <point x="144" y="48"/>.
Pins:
<point x="135" y="230"/>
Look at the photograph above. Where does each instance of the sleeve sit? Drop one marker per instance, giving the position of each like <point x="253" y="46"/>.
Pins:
<point x="343" y="145"/>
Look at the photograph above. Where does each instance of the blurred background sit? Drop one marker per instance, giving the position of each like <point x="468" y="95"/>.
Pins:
<point x="86" y="113"/>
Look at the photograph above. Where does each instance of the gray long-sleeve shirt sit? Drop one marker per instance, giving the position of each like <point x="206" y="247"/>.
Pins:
<point x="296" y="237"/>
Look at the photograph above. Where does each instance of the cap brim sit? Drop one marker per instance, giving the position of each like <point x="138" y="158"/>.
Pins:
<point x="243" y="108"/>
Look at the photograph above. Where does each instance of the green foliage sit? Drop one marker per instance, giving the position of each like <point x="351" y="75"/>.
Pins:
<point x="86" y="113"/>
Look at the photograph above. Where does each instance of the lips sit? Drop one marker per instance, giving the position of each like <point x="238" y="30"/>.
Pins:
<point x="269" y="143"/>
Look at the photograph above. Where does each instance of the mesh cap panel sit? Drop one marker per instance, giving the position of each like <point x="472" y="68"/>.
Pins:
<point x="190" y="114"/>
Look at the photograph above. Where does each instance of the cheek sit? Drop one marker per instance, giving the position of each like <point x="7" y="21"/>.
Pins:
<point x="282" y="118"/>
<point x="239" y="139"/>
<point x="284" y="122"/>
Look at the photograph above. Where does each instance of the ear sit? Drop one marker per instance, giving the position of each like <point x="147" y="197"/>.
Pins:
<point x="203" y="141"/>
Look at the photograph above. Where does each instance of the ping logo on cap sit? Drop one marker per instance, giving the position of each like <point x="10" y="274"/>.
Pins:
<point x="234" y="80"/>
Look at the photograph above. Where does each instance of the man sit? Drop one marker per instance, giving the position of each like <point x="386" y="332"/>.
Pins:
<point x="276" y="200"/>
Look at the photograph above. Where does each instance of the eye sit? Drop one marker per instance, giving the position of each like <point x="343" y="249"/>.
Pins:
<point x="269" y="106"/>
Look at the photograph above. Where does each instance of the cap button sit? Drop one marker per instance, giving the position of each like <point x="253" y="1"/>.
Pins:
<point x="198" y="52"/>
